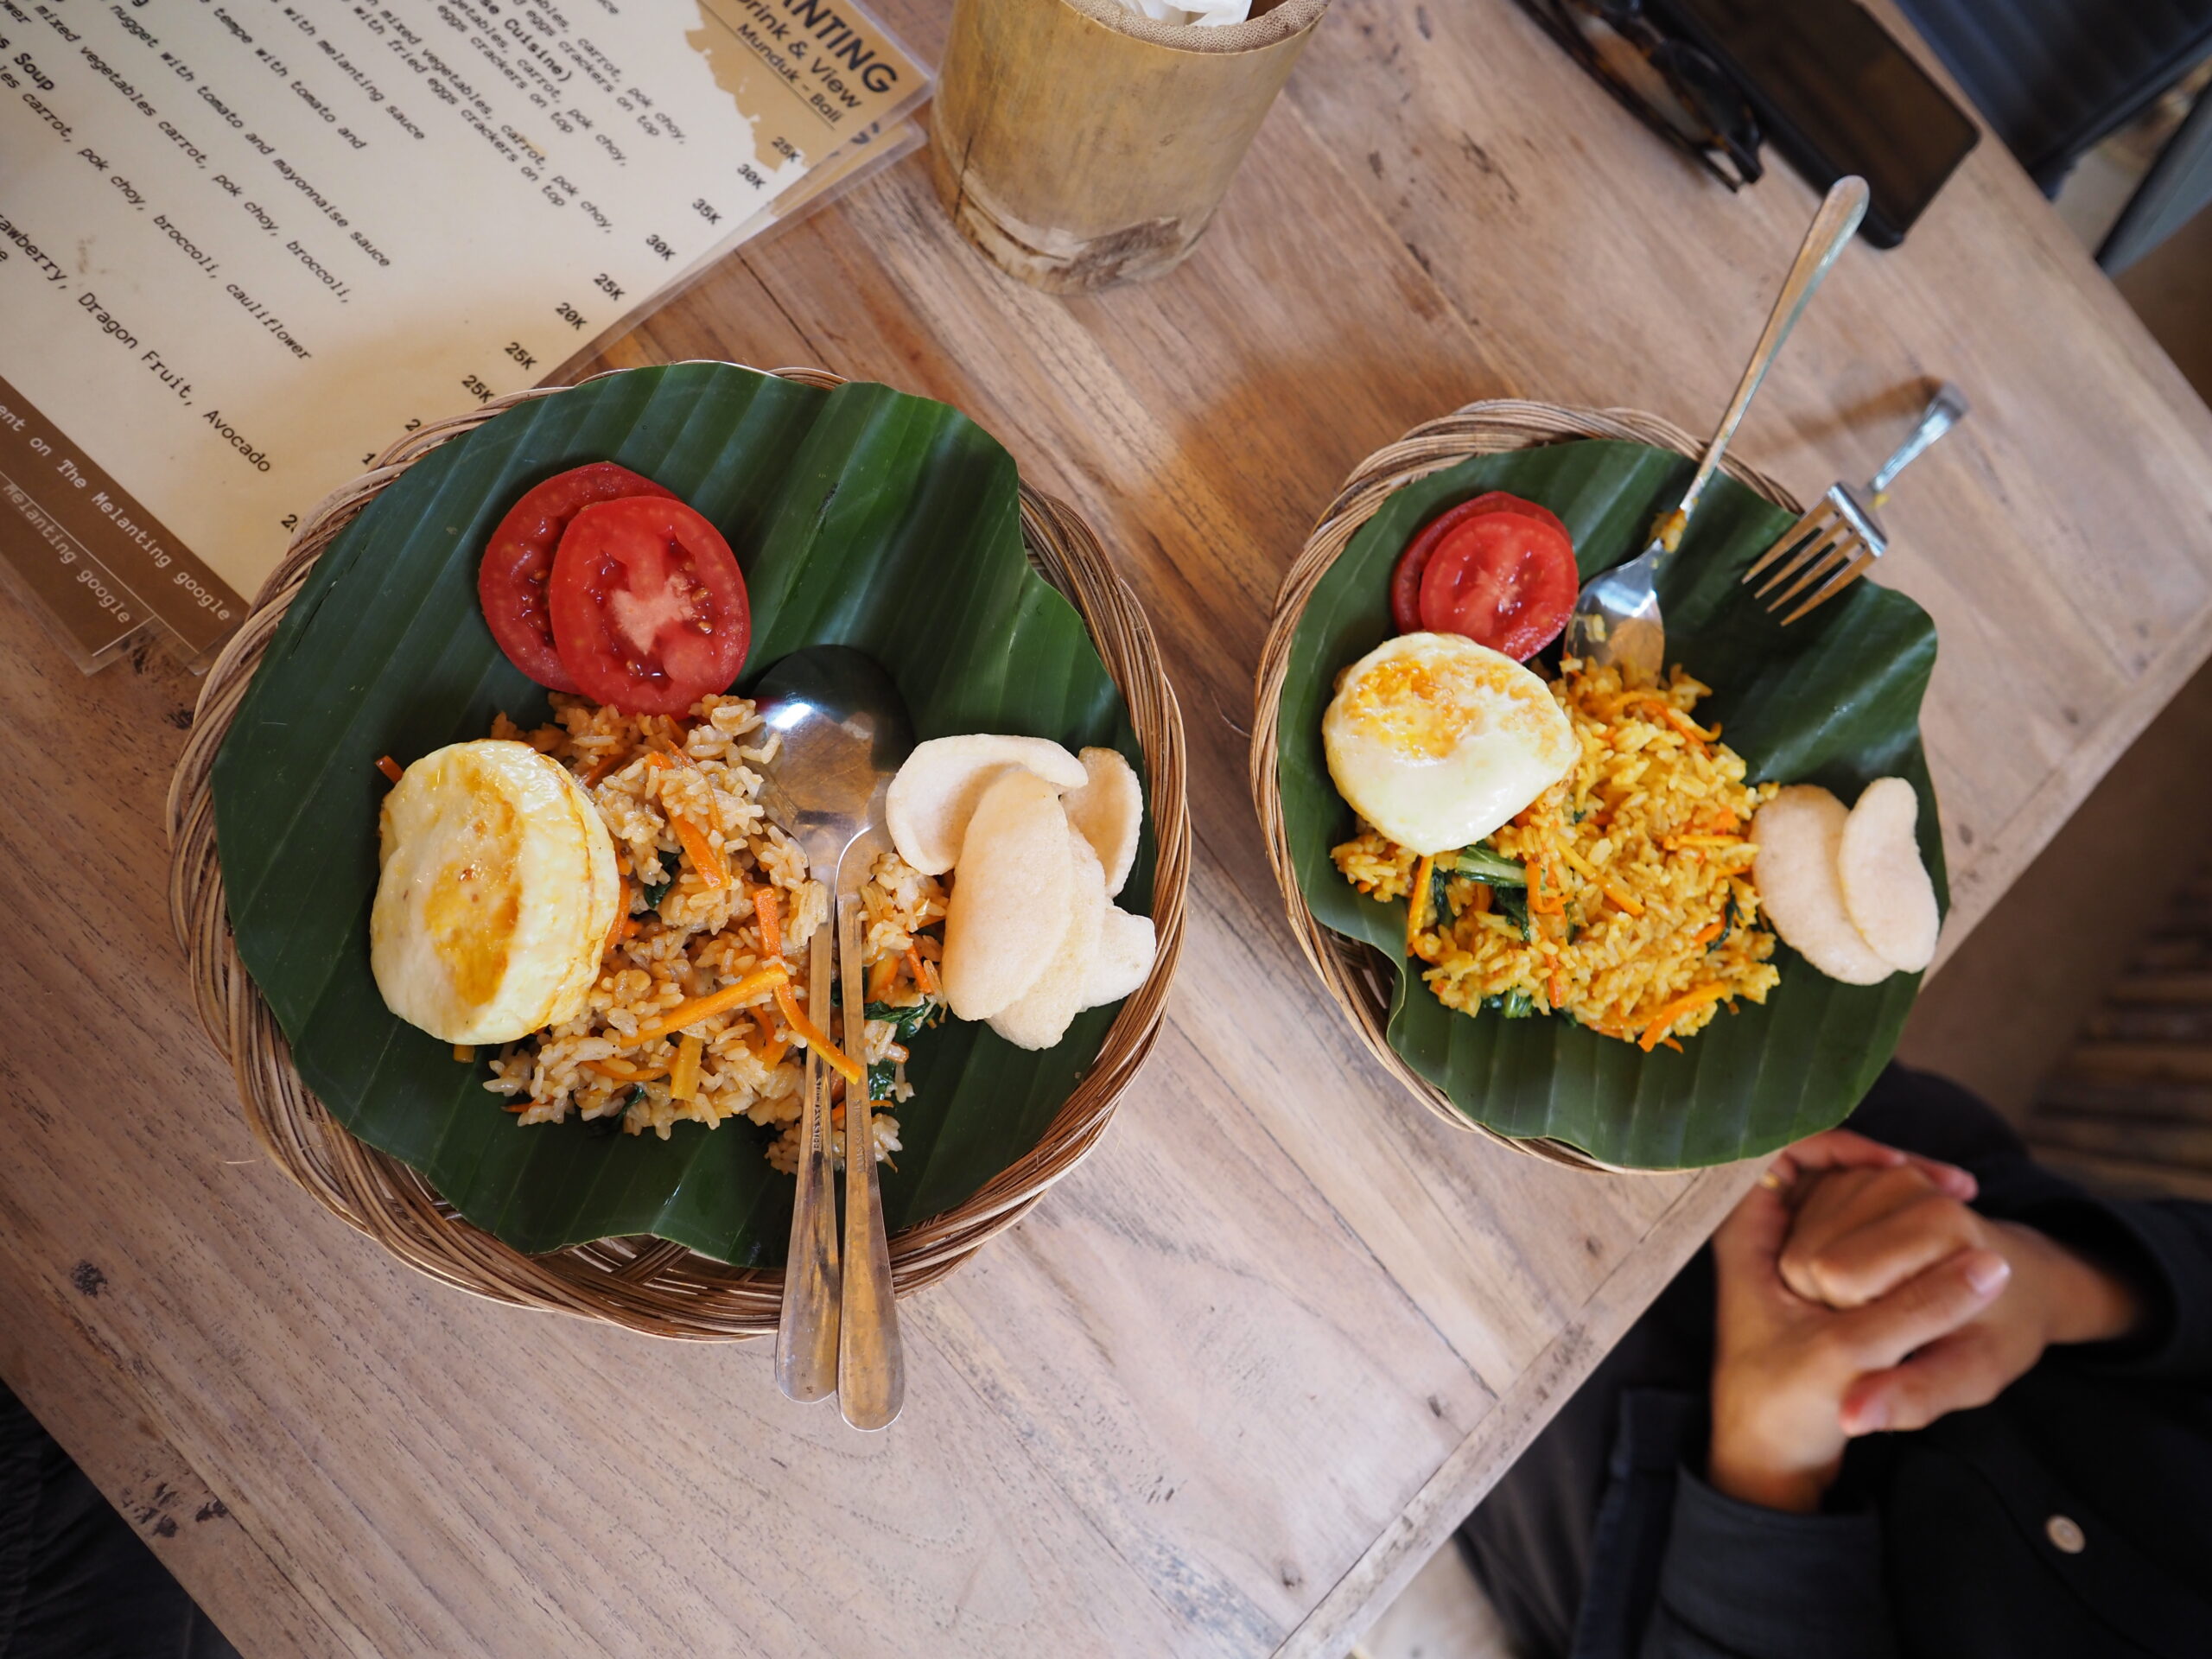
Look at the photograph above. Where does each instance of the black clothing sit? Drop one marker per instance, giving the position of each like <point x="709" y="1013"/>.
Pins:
<point x="75" y="1582"/>
<point x="2072" y="1516"/>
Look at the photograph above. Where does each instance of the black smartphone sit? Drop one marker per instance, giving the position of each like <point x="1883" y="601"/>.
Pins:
<point x="1836" y="95"/>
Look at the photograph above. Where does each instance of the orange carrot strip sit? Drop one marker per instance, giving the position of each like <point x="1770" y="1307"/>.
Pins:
<point x="765" y="912"/>
<point x="701" y="851"/>
<point x="816" y="1038"/>
<point x="925" y="975"/>
<point x="1630" y="905"/>
<point x="696" y="847"/>
<point x="623" y="1071"/>
<point x="1417" y="903"/>
<point x="1688" y="1003"/>
<point x="882" y="978"/>
<point x="1669" y="1042"/>
<point x="1554" y="990"/>
<point x="465" y="1052"/>
<point x="599" y="768"/>
<point x="389" y="767"/>
<point x="683" y="1076"/>
<point x="1707" y="934"/>
<point x="706" y="1007"/>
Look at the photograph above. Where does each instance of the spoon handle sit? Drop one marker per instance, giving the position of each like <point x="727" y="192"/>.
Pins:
<point x="871" y="1364"/>
<point x="1832" y="226"/>
<point x="806" y="1335"/>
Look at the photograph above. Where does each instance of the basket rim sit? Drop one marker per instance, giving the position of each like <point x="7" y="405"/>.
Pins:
<point x="643" y="1283"/>
<point x="1352" y="971"/>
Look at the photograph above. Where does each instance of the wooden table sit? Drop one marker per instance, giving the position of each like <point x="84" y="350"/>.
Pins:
<point x="1237" y="1377"/>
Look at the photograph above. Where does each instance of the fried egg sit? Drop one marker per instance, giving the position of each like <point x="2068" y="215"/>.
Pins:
<point x="498" y="888"/>
<point x="1437" y="740"/>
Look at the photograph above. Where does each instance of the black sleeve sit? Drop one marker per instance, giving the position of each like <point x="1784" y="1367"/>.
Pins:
<point x="1741" y="1582"/>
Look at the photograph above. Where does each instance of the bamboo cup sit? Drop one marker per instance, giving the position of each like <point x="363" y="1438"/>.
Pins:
<point x="1079" y="145"/>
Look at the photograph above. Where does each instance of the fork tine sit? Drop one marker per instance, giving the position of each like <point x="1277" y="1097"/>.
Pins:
<point x="1834" y="586"/>
<point x="1811" y="555"/>
<point x="1809" y="523"/>
<point x="1847" y="545"/>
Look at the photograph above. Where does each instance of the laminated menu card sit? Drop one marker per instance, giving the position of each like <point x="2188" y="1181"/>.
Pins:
<point x="245" y="245"/>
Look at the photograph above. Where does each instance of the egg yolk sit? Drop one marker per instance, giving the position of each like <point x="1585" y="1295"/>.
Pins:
<point x="474" y="901"/>
<point x="1425" y="710"/>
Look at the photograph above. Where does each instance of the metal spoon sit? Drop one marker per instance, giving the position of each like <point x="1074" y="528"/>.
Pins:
<point x="1617" y="622"/>
<point x="844" y="731"/>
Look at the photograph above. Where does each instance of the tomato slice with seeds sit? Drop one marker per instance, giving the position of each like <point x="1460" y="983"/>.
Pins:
<point x="1413" y="563"/>
<point x="1505" y="580"/>
<point x="518" y="562"/>
<point x="649" y="611"/>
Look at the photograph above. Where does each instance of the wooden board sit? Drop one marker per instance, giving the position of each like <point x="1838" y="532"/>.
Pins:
<point x="1233" y="1381"/>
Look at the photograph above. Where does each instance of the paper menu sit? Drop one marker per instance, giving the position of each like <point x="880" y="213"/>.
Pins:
<point x="245" y="243"/>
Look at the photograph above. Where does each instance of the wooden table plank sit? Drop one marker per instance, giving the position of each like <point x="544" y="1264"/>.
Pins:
<point x="1237" y="1375"/>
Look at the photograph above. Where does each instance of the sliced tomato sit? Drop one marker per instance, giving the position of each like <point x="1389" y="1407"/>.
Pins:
<point x="518" y="562"/>
<point x="1505" y="580"/>
<point x="1413" y="563"/>
<point x="649" y="608"/>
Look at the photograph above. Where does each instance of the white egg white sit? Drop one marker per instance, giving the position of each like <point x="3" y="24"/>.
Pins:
<point x="497" y="891"/>
<point x="1437" y="740"/>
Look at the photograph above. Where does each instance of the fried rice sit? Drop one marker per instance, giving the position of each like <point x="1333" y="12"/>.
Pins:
<point x="659" y="780"/>
<point x="1621" y="897"/>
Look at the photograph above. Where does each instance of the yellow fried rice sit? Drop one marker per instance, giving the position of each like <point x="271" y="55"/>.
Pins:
<point x="699" y="938"/>
<point x="1640" y="913"/>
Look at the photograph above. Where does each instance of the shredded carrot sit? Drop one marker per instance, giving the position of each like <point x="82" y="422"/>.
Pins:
<point x="1551" y="904"/>
<point x="1632" y="907"/>
<point x="683" y="1076"/>
<point x="882" y="978"/>
<point x="620" y="929"/>
<point x="696" y="848"/>
<point x="1479" y="901"/>
<point x="815" y="1038"/>
<point x="389" y="767"/>
<point x="1555" y="989"/>
<point x="1688" y="1003"/>
<point x="1670" y="1042"/>
<point x="623" y="1071"/>
<point x="1675" y="842"/>
<point x="925" y="975"/>
<point x="599" y="768"/>
<point x="701" y="851"/>
<point x="1417" y="903"/>
<point x="1707" y="934"/>
<point x="772" y="927"/>
<point x="465" y="1052"/>
<point x="1682" y="723"/>
<point x="706" y="1007"/>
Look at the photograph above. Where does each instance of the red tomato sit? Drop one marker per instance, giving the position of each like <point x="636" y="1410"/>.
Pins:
<point x="1505" y="580"/>
<point x="1413" y="563"/>
<point x="518" y="561"/>
<point x="649" y="608"/>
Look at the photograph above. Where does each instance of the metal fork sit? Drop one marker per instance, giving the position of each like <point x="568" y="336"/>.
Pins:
<point x="1840" y="537"/>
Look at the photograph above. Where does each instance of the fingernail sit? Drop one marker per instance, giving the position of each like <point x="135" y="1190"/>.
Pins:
<point x="1870" y="1419"/>
<point x="1986" y="1271"/>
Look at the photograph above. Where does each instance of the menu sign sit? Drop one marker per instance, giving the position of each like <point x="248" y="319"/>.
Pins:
<point x="246" y="243"/>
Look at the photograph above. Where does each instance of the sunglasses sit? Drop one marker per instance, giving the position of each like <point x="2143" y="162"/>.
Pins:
<point x="1667" y="83"/>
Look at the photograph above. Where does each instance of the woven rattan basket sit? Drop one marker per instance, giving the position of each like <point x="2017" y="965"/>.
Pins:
<point x="1358" y="975"/>
<point x="644" y="1284"/>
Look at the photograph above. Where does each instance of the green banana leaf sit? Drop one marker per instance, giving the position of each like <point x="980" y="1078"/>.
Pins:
<point x="861" y="517"/>
<point x="1833" y="700"/>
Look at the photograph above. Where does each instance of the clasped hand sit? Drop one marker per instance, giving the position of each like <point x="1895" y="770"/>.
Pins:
<point x="1857" y="1292"/>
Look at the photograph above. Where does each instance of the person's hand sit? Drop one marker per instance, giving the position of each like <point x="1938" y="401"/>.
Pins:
<point x="1859" y="1233"/>
<point x="1783" y="1364"/>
